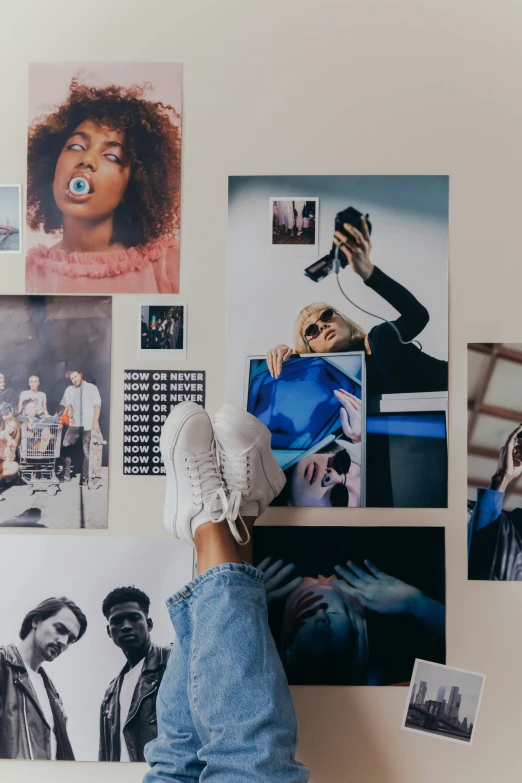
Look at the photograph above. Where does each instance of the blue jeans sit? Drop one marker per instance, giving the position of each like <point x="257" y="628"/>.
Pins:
<point x="225" y="713"/>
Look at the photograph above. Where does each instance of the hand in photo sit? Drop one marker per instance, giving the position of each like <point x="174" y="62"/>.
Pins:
<point x="350" y="414"/>
<point x="375" y="590"/>
<point x="356" y="246"/>
<point x="350" y="625"/>
<point x="384" y="594"/>
<point x="275" y="358"/>
<point x="494" y="543"/>
<point x="274" y="577"/>
<point x="307" y="606"/>
<point x="509" y="462"/>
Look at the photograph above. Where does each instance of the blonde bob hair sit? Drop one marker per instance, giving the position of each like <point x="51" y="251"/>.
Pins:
<point x="301" y="345"/>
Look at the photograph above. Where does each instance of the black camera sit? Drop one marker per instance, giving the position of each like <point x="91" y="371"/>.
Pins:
<point x="322" y="268"/>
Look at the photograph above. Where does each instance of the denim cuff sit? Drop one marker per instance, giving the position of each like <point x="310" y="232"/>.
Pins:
<point x="247" y="570"/>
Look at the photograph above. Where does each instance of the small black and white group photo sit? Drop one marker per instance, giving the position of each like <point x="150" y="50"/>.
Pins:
<point x="294" y="221"/>
<point x="444" y="702"/>
<point x="10" y="219"/>
<point x="85" y="637"/>
<point x="54" y="411"/>
<point x="162" y="327"/>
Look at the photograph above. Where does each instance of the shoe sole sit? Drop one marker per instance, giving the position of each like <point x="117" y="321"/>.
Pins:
<point x="228" y="415"/>
<point x="170" y="433"/>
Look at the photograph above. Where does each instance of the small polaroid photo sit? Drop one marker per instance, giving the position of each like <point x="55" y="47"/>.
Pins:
<point x="443" y="702"/>
<point x="10" y="219"/>
<point x="294" y="226"/>
<point x="162" y="330"/>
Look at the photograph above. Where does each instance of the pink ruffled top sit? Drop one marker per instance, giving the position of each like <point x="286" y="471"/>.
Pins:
<point x="147" y="269"/>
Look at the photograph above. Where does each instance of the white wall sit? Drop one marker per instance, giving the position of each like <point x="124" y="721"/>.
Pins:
<point x="382" y="87"/>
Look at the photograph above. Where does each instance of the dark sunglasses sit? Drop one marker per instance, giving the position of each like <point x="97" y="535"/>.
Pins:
<point x="339" y="496"/>
<point x="342" y="462"/>
<point x="312" y="330"/>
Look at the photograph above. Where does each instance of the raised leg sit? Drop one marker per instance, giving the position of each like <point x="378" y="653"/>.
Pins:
<point x="224" y="683"/>
<point x="173" y="755"/>
<point x="240" y="700"/>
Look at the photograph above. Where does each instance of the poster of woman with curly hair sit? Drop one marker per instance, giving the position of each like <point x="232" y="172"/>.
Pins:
<point x="103" y="178"/>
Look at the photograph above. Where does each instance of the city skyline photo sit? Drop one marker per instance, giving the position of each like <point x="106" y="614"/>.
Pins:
<point x="10" y="218"/>
<point x="443" y="701"/>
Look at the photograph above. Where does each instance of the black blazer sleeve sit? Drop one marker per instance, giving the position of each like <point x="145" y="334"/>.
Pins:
<point x="496" y="550"/>
<point x="413" y="315"/>
<point x="103" y="752"/>
<point x="3" y="679"/>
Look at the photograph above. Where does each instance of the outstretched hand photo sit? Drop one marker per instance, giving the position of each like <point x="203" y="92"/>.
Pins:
<point x="374" y="589"/>
<point x="274" y="579"/>
<point x="352" y="622"/>
<point x="385" y="594"/>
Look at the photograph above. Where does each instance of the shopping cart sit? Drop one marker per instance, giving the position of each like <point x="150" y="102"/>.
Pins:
<point x="39" y="450"/>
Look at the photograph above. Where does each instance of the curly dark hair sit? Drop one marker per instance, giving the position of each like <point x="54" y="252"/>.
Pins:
<point x="150" y="209"/>
<point x="123" y="594"/>
<point x="49" y="608"/>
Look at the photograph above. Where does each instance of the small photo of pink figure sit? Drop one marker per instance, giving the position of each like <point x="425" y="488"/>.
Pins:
<point x="294" y="221"/>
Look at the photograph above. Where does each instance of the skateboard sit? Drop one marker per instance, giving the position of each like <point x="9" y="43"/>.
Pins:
<point x="95" y="460"/>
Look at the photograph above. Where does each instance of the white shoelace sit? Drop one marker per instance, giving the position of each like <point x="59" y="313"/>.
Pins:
<point x="208" y="490"/>
<point x="235" y="472"/>
<point x="207" y="485"/>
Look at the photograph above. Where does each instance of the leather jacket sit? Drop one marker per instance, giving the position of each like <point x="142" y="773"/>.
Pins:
<point x="24" y="731"/>
<point x="141" y="724"/>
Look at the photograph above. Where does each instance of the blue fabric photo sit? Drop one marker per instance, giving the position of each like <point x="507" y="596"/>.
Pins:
<point x="412" y="424"/>
<point x="299" y="408"/>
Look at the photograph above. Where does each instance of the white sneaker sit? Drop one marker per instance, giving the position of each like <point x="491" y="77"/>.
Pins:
<point x="249" y="470"/>
<point x="195" y="492"/>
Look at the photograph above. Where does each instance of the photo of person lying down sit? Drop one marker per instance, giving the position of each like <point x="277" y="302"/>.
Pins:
<point x="315" y="412"/>
<point x="350" y="605"/>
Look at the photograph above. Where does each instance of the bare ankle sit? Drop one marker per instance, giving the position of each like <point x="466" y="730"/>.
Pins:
<point x="215" y="546"/>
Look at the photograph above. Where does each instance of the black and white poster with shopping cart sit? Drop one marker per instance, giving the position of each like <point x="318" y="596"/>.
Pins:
<point x="148" y="398"/>
<point x="55" y="361"/>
